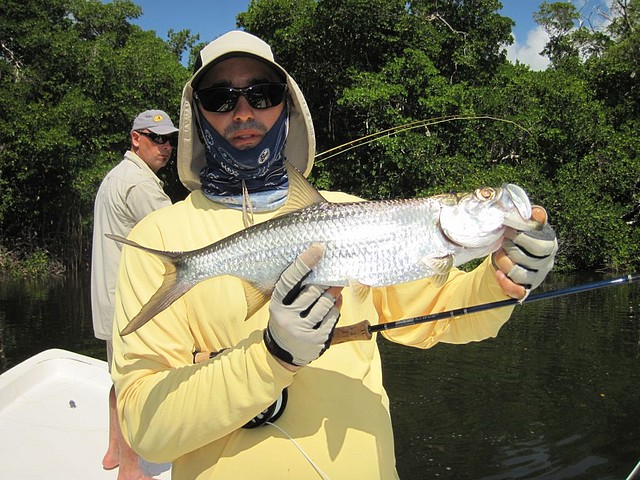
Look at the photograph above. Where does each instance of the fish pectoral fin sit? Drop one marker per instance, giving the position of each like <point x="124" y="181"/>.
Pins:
<point x="359" y="290"/>
<point x="301" y="192"/>
<point x="257" y="296"/>
<point x="441" y="267"/>
<point x="439" y="279"/>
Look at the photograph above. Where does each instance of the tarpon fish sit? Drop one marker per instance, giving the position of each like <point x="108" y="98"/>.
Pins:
<point x="366" y="244"/>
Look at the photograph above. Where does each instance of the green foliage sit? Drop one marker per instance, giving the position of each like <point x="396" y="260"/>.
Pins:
<point x="558" y="19"/>
<point x="597" y="206"/>
<point x="181" y="41"/>
<point x="564" y="134"/>
<point x="73" y="74"/>
<point x="37" y="265"/>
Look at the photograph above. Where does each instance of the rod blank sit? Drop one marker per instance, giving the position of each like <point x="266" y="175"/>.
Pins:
<point x="364" y="330"/>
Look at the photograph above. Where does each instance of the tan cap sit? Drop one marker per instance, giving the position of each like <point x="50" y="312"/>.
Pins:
<point x="301" y="144"/>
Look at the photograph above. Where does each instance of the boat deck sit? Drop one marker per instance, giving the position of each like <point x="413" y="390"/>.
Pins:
<point x="54" y="419"/>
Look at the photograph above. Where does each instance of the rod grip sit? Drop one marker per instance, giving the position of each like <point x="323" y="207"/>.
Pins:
<point x="199" y="357"/>
<point x="350" y="333"/>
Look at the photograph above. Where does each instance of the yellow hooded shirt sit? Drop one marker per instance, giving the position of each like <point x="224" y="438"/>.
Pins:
<point x="172" y="410"/>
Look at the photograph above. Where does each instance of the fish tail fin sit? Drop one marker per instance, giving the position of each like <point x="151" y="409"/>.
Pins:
<point x="163" y="254"/>
<point x="169" y="291"/>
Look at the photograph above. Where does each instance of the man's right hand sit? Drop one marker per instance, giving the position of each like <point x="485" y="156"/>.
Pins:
<point x="302" y="317"/>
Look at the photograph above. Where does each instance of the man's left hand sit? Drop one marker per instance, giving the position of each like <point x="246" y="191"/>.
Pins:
<point x="526" y="258"/>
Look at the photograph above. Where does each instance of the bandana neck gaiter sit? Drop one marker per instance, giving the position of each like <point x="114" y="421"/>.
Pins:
<point x="261" y="168"/>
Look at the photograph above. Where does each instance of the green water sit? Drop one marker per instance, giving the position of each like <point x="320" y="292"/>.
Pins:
<point x="555" y="396"/>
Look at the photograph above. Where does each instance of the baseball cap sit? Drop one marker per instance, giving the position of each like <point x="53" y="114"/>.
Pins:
<point x="155" y="120"/>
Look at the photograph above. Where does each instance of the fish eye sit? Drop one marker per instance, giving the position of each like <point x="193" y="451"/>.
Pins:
<point x="486" y="193"/>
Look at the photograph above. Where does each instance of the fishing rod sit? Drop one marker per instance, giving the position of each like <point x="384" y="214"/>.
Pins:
<point x="364" y="330"/>
<point x="635" y="471"/>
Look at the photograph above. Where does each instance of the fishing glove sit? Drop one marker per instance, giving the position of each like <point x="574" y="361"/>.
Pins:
<point x="302" y="317"/>
<point x="533" y="253"/>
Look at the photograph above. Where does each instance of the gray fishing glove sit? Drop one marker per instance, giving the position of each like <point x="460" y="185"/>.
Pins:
<point x="302" y="318"/>
<point x="533" y="254"/>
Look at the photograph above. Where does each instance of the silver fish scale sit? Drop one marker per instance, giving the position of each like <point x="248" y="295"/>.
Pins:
<point x="375" y="243"/>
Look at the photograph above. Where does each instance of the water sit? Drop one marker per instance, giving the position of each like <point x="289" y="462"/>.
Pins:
<point x="35" y="316"/>
<point x="555" y="396"/>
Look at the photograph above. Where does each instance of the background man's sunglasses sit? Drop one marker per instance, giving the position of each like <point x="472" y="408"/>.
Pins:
<point x="161" y="139"/>
<point x="224" y="99"/>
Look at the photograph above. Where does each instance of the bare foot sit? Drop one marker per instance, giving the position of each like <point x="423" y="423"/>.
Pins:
<point x="133" y="475"/>
<point x="119" y="453"/>
<point x="130" y="466"/>
<point x="130" y="469"/>
<point x="111" y="460"/>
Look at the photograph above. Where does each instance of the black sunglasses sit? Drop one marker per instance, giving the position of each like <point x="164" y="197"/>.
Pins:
<point x="161" y="139"/>
<point x="224" y="99"/>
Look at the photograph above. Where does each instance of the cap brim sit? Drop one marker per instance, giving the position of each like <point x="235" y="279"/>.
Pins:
<point x="163" y="130"/>
<point x="277" y="69"/>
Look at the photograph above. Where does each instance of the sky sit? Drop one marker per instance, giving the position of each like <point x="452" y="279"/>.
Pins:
<point x="212" y="18"/>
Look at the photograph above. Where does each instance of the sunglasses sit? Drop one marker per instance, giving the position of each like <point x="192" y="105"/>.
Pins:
<point x="161" y="139"/>
<point x="224" y="99"/>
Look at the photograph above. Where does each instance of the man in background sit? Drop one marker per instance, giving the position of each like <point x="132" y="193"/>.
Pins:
<point x="126" y="195"/>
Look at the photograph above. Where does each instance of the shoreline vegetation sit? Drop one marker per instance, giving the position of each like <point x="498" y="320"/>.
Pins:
<point x="566" y="134"/>
<point x="37" y="265"/>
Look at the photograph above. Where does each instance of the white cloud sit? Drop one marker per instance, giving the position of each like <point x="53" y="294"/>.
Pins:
<point x="529" y="53"/>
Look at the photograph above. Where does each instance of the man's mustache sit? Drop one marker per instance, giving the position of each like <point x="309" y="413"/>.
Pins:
<point x="248" y="125"/>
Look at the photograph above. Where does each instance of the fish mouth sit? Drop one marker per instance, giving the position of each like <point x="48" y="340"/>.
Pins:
<point x="521" y="218"/>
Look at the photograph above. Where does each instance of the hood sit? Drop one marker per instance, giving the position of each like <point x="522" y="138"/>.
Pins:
<point x="301" y="144"/>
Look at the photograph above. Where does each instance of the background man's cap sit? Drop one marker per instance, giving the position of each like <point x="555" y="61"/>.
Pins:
<point x="155" y="120"/>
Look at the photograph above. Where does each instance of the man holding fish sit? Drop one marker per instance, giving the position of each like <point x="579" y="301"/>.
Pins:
<point x="272" y="400"/>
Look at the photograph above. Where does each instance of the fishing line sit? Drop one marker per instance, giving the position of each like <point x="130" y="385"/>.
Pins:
<point x="304" y="454"/>
<point x="367" y="139"/>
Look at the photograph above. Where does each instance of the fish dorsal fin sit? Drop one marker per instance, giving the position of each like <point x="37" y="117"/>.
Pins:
<point x="256" y="297"/>
<point x="301" y="192"/>
<point x="247" y="207"/>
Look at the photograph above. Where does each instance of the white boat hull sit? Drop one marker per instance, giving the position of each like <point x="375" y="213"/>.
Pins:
<point x="54" y="419"/>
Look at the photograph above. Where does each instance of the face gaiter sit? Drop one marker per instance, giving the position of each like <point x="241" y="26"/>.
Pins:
<point x="260" y="168"/>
